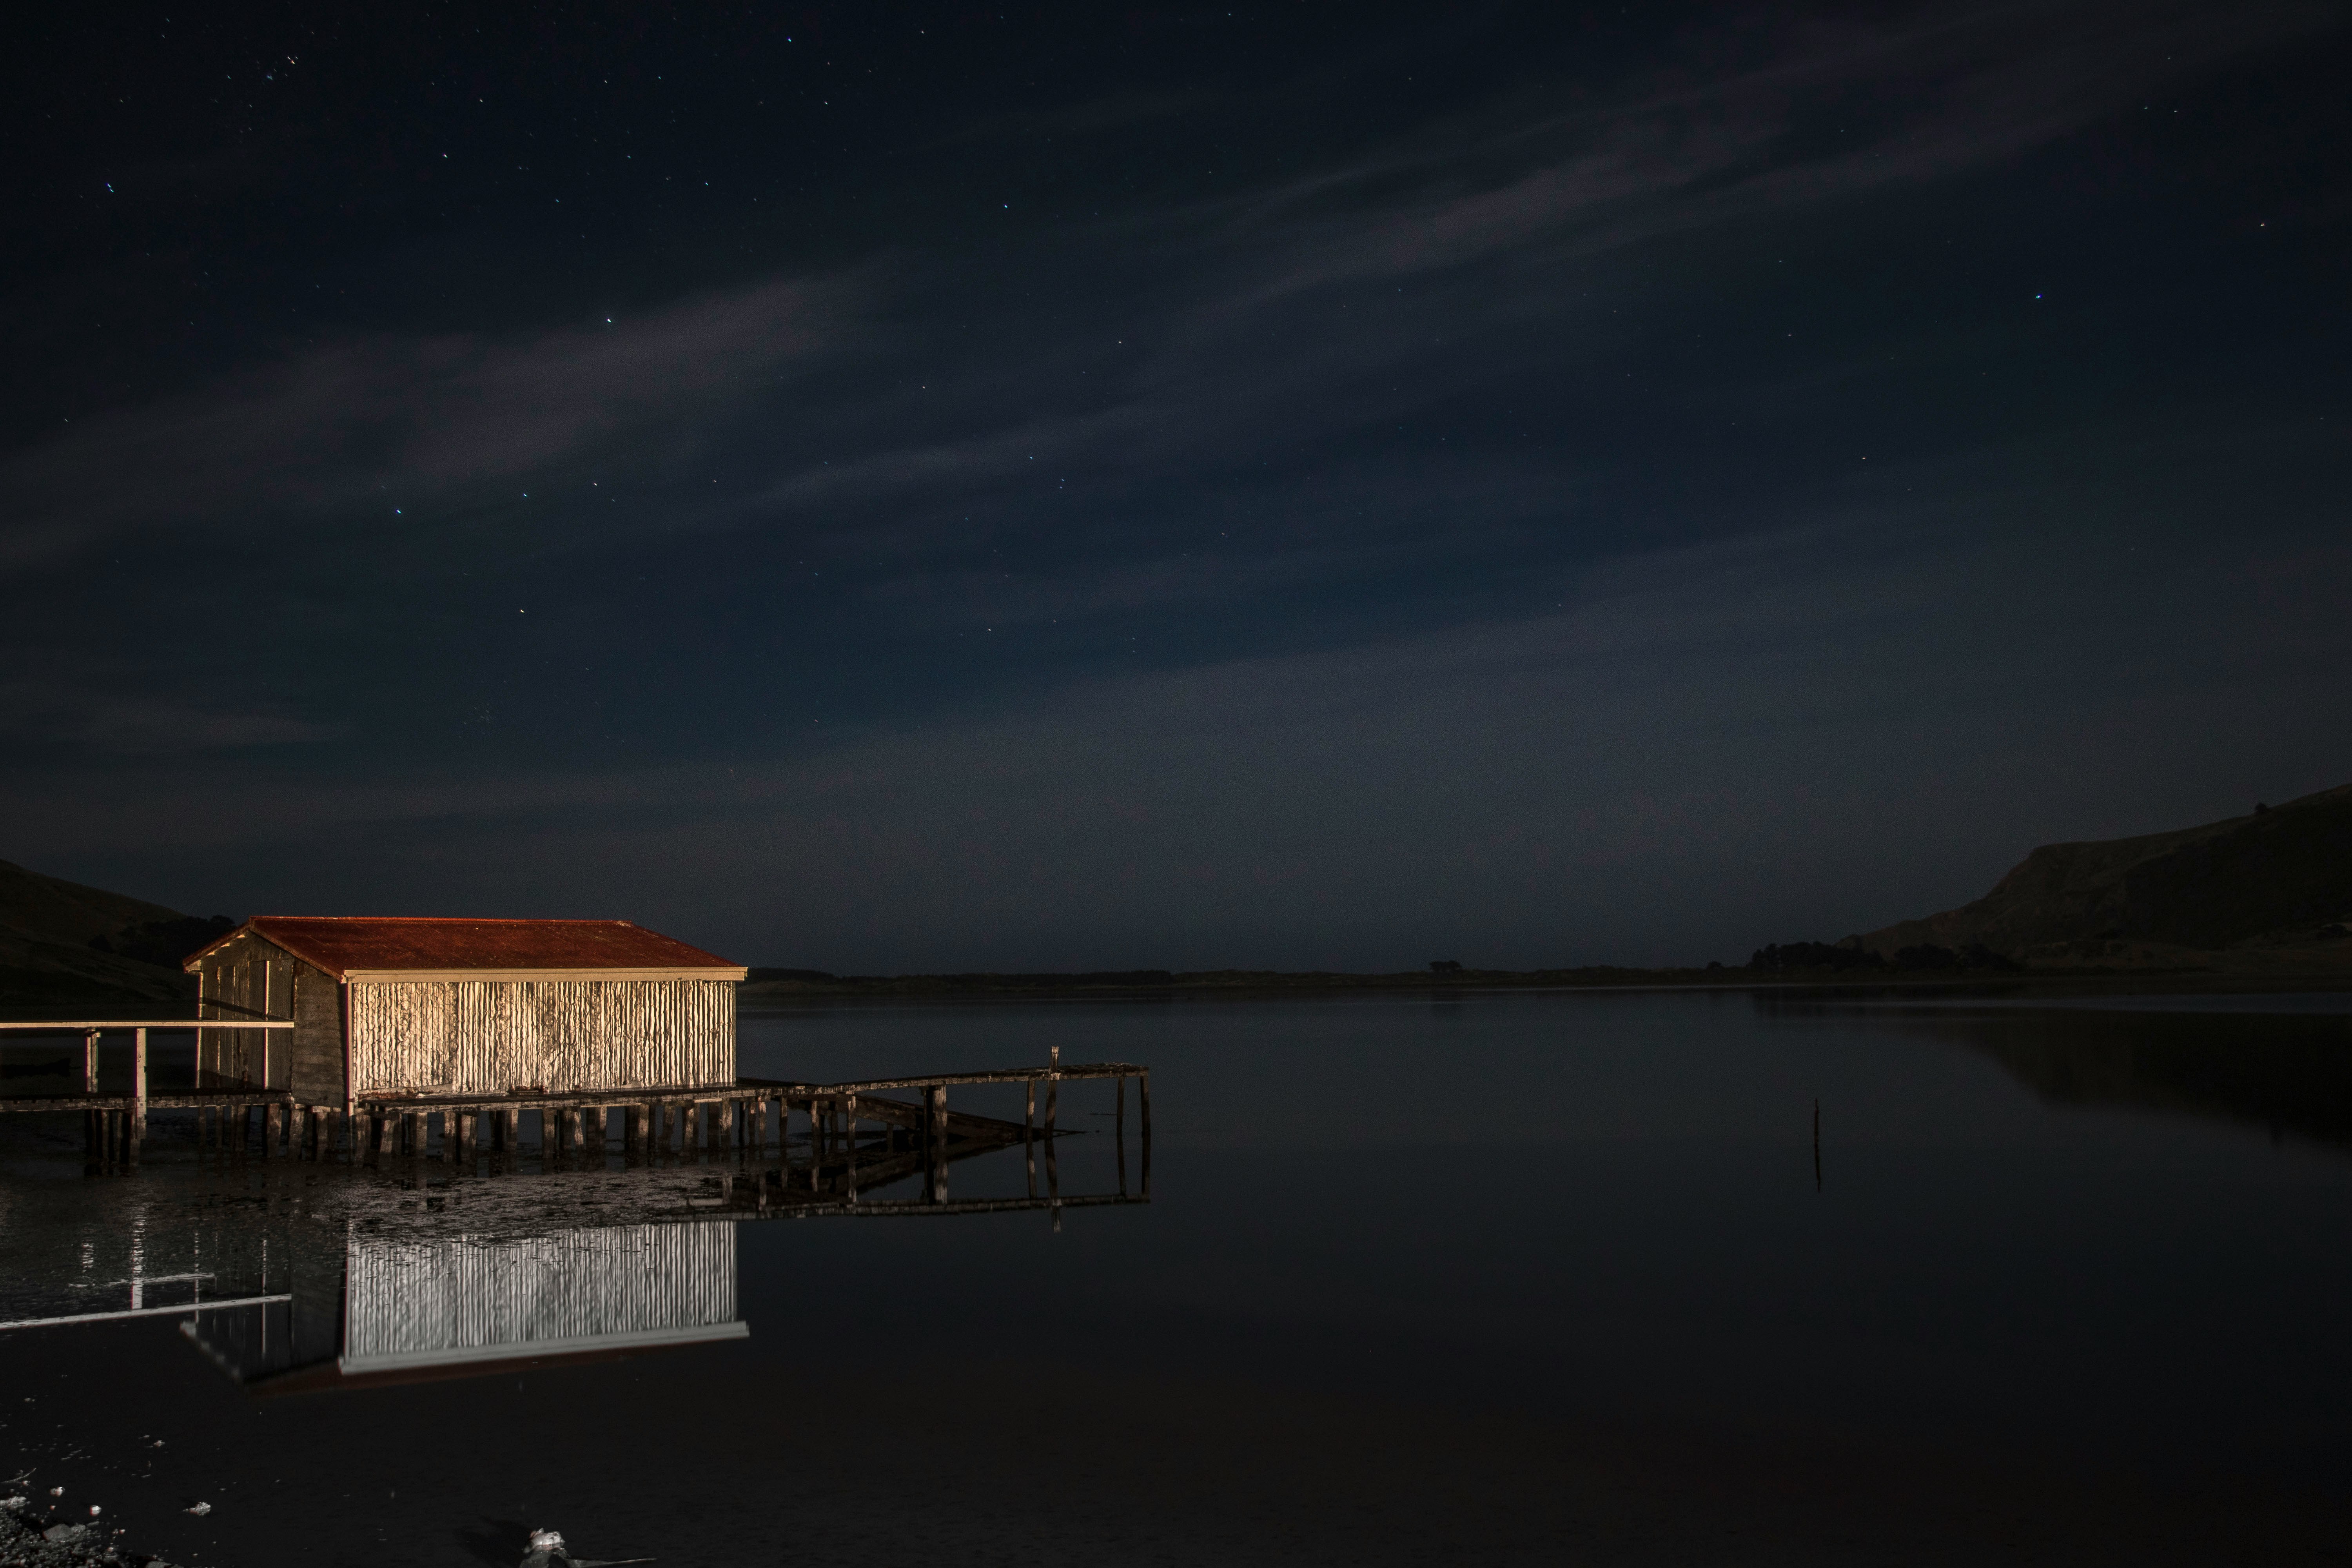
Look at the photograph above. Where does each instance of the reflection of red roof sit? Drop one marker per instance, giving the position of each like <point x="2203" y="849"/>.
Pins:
<point x="345" y="945"/>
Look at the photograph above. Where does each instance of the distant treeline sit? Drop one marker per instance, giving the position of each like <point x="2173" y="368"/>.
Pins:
<point x="1813" y="957"/>
<point x="1447" y="973"/>
<point x="1090" y="979"/>
<point x="1813" y="960"/>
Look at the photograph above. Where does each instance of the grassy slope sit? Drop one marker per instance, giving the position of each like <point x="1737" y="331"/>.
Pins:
<point x="2260" y="889"/>
<point x="46" y="925"/>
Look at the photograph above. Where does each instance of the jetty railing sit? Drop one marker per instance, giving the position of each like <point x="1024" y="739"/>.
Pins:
<point x="116" y="1123"/>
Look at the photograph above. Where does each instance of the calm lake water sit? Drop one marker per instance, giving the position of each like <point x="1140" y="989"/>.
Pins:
<point x="1495" y="1278"/>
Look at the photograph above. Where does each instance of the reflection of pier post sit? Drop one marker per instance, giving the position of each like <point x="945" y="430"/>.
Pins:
<point x="1143" y="1104"/>
<point x="849" y="1148"/>
<point x="1119" y="1133"/>
<point x="935" y="1143"/>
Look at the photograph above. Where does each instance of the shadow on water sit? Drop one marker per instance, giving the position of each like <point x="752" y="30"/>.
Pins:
<point x="2287" y="1074"/>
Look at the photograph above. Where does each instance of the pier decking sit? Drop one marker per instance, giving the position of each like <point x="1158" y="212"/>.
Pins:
<point x="857" y="1135"/>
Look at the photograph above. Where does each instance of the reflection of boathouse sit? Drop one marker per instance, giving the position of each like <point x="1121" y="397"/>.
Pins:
<point x="460" y="1306"/>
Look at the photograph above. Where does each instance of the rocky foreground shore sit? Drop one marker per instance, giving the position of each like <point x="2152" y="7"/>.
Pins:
<point x="32" y="1539"/>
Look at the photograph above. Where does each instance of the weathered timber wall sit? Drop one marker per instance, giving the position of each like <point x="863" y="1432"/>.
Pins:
<point x="486" y="1036"/>
<point x="250" y="975"/>
<point x="316" y="1054"/>
<point x="465" y="1298"/>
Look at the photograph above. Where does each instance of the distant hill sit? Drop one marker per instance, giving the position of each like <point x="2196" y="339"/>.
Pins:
<point x="2271" y="891"/>
<point x="62" y="944"/>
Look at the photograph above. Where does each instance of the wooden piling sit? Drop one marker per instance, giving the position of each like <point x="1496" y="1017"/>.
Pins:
<point x="138" y="1087"/>
<point x="90" y="1062"/>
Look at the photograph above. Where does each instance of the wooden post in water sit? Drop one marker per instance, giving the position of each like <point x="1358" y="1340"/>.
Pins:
<point x="90" y="1062"/>
<point x="725" y="1137"/>
<point x="138" y="1090"/>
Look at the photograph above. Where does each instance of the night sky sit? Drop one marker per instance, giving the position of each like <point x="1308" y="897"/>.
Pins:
<point x="913" y="487"/>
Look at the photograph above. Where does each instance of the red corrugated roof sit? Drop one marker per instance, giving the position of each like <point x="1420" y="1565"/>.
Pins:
<point x="340" y="945"/>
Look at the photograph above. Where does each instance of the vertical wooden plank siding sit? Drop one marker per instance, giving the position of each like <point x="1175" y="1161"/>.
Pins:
<point x="484" y="1036"/>
<point x="247" y="978"/>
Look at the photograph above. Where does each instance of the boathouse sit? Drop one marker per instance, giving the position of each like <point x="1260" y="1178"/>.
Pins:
<point x="398" y="1007"/>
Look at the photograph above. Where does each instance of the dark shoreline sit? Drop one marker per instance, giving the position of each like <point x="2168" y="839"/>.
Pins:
<point x="1259" y="984"/>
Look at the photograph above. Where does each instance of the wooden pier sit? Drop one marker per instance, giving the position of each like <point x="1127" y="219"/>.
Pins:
<point x="857" y="1135"/>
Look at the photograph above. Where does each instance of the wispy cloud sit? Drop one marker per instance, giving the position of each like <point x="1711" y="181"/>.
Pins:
<point x="370" y="422"/>
<point x="74" y="716"/>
